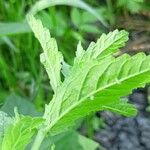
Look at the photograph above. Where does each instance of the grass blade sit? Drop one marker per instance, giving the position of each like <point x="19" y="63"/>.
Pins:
<point x="42" y="4"/>
<point x="13" y="28"/>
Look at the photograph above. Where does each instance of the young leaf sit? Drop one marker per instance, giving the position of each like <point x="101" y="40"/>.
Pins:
<point x="94" y="85"/>
<point x="109" y="44"/>
<point x="97" y="81"/>
<point x="19" y="134"/>
<point x="51" y="57"/>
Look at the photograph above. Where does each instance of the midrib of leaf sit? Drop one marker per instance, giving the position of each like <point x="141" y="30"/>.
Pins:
<point x="92" y="93"/>
<point x="109" y="61"/>
<point x="58" y="106"/>
<point x="117" y="81"/>
<point x="92" y="63"/>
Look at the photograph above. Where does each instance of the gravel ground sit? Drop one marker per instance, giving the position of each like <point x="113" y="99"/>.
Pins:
<point x="127" y="133"/>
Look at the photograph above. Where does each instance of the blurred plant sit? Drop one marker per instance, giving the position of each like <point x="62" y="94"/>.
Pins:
<point x="133" y="6"/>
<point x="84" y="22"/>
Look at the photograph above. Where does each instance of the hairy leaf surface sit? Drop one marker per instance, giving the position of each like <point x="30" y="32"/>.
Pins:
<point x="94" y="85"/>
<point x="51" y="57"/>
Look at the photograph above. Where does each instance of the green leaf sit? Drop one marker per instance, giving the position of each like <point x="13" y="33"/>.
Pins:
<point x="109" y="44"/>
<point x="75" y="16"/>
<point x="89" y="28"/>
<point x="19" y="134"/>
<point x="88" y="18"/>
<point x="94" y="84"/>
<point x="80" y="51"/>
<point x="121" y="108"/>
<point x="51" y="57"/>
<point x="69" y="141"/>
<point x="77" y="36"/>
<point x="96" y="81"/>
<point x="133" y="6"/>
<point x="13" y="28"/>
<point x="87" y="144"/>
<point x="24" y="106"/>
<point x="42" y="4"/>
<point x="65" y="69"/>
<point x="7" y="41"/>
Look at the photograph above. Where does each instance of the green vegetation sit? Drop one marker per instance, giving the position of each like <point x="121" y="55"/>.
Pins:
<point x="82" y="79"/>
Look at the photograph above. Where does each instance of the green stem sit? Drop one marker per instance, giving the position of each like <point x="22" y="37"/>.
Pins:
<point x="90" y="130"/>
<point x="38" y="140"/>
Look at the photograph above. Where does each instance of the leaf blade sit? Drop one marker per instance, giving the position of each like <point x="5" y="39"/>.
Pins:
<point x="19" y="134"/>
<point x="104" y="96"/>
<point x="51" y="58"/>
<point x="12" y="28"/>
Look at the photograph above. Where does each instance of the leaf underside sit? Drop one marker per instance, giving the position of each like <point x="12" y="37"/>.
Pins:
<point x="51" y="58"/>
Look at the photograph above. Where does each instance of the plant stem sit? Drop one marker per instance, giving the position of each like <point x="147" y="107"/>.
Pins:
<point x="38" y="140"/>
<point x="90" y="130"/>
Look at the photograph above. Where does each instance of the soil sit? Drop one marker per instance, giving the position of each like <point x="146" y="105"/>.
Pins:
<point x="123" y="133"/>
